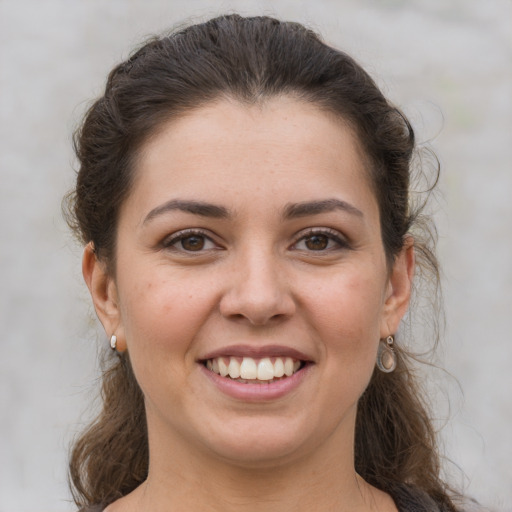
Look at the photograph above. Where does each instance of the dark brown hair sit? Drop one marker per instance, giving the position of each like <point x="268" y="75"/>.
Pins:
<point x="248" y="60"/>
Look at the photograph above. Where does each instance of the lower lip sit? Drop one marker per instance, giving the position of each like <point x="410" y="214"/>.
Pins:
<point x="257" y="392"/>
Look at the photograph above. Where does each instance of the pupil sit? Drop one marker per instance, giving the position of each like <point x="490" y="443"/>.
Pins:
<point x="317" y="242"/>
<point x="193" y="243"/>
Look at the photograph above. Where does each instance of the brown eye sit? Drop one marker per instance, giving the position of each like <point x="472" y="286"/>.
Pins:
<point x="323" y="240"/>
<point x="193" y="243"/>
<point x="317" y="242"/>
<point x="189" y="241"/>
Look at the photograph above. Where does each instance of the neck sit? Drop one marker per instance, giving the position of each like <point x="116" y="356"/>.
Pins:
<point x="322" y="479"/>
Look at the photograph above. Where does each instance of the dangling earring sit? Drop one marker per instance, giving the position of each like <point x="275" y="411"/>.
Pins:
<point x="113" y="342"/>
<point x="386" y="357"/>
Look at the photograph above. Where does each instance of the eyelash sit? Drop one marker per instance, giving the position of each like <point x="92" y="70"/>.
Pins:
<point x="330" y="234"/>
<point x="175" y="238"/>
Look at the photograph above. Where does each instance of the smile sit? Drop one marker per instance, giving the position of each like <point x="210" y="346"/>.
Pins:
<point x="249" y="370"/>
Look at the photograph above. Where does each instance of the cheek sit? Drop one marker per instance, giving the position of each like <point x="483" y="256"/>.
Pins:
<point x="161" y="318"/>
<point x="347" y="312"/>
<point x="350" y="305"/>
<point x="162" y="314"/>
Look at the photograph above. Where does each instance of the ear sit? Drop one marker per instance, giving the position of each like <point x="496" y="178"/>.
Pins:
<point x="103" y="290"/>
<point x="398" y="291"/>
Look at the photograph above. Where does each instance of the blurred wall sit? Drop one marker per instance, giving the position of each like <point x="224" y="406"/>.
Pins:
<point x="447" y="63"/>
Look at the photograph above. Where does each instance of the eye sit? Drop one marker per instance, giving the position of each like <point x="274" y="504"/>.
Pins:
<point x="320" y="240"/>
<point x="189" y="241"/>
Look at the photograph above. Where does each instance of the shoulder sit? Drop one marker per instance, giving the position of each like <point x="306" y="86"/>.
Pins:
<point x="95" y="508"/>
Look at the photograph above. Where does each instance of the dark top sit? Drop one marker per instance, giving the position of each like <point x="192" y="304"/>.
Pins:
<point x="406" y="498"/>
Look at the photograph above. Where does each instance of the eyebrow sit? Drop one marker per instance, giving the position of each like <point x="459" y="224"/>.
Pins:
<point x="316" y="207"/>
<point x="195" y="207"/>
<point x="291" y="211"/>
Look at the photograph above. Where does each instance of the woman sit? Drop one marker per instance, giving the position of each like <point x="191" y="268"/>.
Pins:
<point x="243" y="198"/>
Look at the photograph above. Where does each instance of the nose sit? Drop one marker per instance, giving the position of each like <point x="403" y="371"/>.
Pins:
<point x="258" y="291"/>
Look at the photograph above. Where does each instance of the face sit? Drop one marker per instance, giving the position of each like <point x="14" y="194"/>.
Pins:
<point x="251" y="285"/>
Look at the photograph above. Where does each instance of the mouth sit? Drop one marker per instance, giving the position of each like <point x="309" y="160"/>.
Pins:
<point x="251" y="370"/>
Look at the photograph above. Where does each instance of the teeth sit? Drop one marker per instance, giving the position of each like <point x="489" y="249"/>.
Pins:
<point x="234" y="368"/>
<point x="223" y="367"/>
<point x="248" y="369"/>
<point x="265" y="369"/>
<point x="288" y="366"/>
<point x="278" y="368"/>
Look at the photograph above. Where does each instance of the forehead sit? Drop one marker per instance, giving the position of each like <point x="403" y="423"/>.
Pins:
<point x="281" y="145"/>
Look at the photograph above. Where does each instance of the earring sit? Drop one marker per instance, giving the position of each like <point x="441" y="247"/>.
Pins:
<point x="113" y="342"/>
<point x="386" y="357"/>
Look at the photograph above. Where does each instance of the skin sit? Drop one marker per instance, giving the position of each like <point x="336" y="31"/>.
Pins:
<point x="256" y="282"/>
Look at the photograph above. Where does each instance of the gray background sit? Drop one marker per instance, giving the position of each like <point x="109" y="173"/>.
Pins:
<point x="447" y="63"/>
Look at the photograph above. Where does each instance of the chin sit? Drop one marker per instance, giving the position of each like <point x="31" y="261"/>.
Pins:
<point x="262" y="443"/>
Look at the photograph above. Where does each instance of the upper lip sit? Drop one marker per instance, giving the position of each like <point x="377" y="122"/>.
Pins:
<point x="257" y="352"/>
